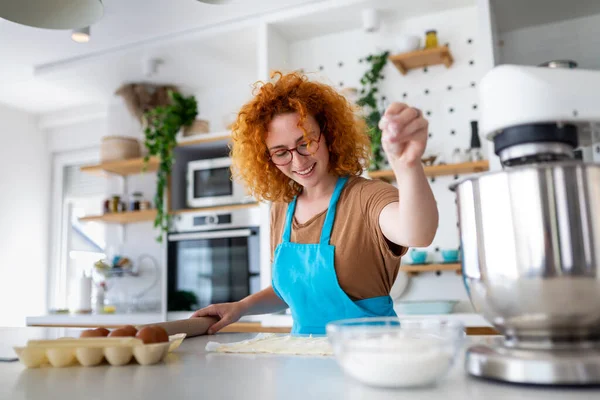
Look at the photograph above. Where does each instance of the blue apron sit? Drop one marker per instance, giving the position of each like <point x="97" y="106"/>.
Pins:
<point x="304" y="277"/>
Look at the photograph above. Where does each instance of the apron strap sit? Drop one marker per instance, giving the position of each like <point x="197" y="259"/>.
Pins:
<point x="287" y="230"/>
<point x="330" y="217"/>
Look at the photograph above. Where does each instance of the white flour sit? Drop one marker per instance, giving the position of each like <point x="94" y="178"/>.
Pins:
<point x="396" y="361"/>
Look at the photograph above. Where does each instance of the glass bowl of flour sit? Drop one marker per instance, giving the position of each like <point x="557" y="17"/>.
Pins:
<point x="394" y="353"/>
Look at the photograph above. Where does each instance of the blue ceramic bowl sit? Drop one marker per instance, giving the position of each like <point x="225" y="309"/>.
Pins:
<point x="418" y="256"/>
<point x="450" y="255"/>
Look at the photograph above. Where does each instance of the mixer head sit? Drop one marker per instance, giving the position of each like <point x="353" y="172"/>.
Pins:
<point x="536" y="143"/>
<point x="535" y="114"/>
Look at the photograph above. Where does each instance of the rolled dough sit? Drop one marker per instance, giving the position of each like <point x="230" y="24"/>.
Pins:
<point x="276" y="344"/>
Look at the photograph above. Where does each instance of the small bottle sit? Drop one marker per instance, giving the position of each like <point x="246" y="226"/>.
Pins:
<point x="136" y="200"/>
<point x="114" y="203"/>
<point x="431" y="40"/>
<point x="99" y="300"/>
<point x="83" y="295"/>
<point x="475" y="150"/>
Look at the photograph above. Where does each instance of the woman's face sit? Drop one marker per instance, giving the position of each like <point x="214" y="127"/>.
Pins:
<point x="284" y="134"/>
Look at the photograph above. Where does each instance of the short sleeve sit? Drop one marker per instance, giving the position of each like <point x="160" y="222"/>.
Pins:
<point x="374" y="196"/>
<point x="277" y="216"/>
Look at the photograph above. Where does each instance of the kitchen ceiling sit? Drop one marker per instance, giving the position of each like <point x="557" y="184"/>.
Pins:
<point x="32" y="76"/>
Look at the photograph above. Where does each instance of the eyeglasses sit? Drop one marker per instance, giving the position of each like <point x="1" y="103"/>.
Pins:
<point x="307" y="147"/>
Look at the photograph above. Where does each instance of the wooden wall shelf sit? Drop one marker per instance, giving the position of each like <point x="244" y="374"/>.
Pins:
<point x="216" y="208"/>
<point x="422" y="58"/>
<point x="439" y="170"/>
<point x="417" y="269"/>
<point x="128" y="217"/>
<point x="202" y="138"/>
<point x="132" y="166"/>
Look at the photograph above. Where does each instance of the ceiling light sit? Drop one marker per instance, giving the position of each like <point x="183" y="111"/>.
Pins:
<point x="371" y="20"/>
<point x="52" y="14"/>
<point x="81" y="35"/>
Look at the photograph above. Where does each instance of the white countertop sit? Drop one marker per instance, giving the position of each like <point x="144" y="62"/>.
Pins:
<point x="269" y="320"/>
<point x="468" y="319"/>
<point x="66" y="320"/>
<point x="191" y="373"/>
<point x="94" y="319"/>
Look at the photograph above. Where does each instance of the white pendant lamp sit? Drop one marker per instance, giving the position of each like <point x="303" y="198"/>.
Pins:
<point x="52" y="14"/>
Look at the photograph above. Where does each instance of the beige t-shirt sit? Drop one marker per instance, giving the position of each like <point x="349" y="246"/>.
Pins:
<point x="366" y="263"/>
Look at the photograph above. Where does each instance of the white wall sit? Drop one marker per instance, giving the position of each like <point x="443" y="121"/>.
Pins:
<point x="24" y="199"/>
<point x="82" y="135"/>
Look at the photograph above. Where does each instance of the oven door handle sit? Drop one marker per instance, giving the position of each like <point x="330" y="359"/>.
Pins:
<point x="210" y="235"/>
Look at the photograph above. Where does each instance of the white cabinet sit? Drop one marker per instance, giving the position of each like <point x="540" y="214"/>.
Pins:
<point x="535" y="31"/>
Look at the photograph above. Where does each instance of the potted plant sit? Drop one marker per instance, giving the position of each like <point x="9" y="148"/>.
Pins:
<point x="368" y="102"/>
<point x="162" y="125"/>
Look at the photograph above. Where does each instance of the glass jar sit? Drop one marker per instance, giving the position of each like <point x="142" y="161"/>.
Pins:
<point x="136" y="199"/>
<point x="431" y="40"/>
<point x="458" y="156"/>
<point x="115" y="203"/>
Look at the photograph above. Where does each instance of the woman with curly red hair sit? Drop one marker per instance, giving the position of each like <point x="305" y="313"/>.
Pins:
<point x="336" y="237"/>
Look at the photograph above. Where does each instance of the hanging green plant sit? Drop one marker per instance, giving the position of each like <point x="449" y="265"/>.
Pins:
<point x="162" y="125"/>
<point x="367" y="100"/>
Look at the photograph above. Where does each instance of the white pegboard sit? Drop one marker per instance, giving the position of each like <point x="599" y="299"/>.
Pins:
<point x="447" y="96"/>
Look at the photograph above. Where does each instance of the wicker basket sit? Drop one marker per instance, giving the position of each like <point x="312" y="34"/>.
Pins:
<point x="115" y="148"/>
<point x="198" y="126"/>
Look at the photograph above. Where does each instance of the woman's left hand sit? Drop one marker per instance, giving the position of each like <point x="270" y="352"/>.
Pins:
<point x="404" y="134"/>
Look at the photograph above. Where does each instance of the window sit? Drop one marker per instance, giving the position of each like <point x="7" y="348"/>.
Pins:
<point x="75" y="246"/>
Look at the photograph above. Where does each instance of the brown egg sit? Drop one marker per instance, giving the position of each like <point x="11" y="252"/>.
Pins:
<point x="130" y="329"/>
<point x="121" y="332"/>
<point x="161" y="334"/>
<point x="147" y="334"/>
<point x="90" y="333"/>
<point x="103" y="331"/>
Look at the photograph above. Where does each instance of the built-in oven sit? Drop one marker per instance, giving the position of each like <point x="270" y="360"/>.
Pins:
<point x="209" y="183"/>
<point x="213" y="256"/>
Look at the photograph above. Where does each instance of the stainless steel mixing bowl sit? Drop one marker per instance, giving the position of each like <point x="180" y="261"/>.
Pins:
<point x="530" y="239"/>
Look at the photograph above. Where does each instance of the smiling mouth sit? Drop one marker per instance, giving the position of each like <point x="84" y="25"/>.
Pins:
<point x="307" y="170"/>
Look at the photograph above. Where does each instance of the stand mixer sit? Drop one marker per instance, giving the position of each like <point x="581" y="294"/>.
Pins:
<point x="530" y="232"/>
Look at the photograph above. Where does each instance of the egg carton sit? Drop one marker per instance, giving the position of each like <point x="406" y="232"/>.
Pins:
<point x="91" y="351"/>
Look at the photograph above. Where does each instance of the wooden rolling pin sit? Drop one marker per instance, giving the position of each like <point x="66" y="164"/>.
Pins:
<point x="190" y="326"/>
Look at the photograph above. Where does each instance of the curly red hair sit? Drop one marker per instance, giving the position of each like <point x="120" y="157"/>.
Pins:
<point x="346" y="135"/>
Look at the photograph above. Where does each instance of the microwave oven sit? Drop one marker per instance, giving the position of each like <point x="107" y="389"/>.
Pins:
<point x="214" y="255"/>
<point x="209" y="183"/>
